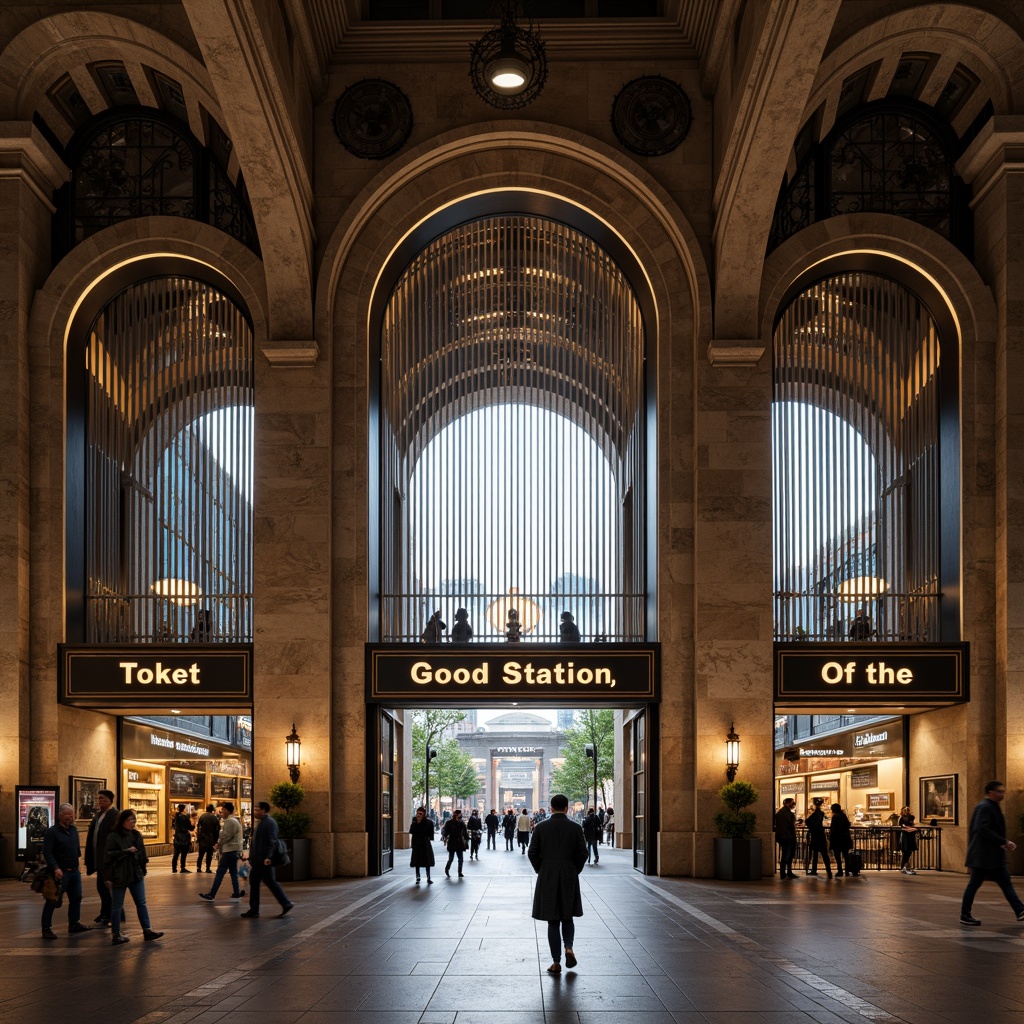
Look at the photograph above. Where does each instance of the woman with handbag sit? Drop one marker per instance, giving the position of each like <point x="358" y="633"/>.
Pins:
<point x="421" y="829"/>
<point x="124" y="863"/>
<point x="456" y="837"/>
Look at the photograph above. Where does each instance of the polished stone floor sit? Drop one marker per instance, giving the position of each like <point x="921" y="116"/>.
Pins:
<point x="884" y="947"/>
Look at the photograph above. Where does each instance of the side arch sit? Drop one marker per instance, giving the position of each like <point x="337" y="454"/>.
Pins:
<point x="81" y="283"/>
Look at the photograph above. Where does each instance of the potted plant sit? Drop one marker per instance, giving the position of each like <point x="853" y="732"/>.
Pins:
<point x="737" y="853"/>
<point x="292" y="825"/>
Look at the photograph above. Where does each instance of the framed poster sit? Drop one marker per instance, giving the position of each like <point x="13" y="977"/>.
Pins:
<point x="880" y="801"/>
<point x="36" y="808"/>
<point x="939" y="799"/>
<point x="84" y="793"/>
<point x="222" y="787"/>
<point x="183" y="783"/>
<point x="247" y="789"/>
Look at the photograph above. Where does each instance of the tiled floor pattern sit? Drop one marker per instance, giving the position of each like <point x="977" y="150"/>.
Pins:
<point x="882" y="948"/>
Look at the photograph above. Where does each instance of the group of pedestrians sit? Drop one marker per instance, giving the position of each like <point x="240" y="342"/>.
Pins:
<point x="115" y="852"/>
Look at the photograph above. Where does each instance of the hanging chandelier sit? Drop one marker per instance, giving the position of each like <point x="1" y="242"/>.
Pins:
<point x="508" y="66"/>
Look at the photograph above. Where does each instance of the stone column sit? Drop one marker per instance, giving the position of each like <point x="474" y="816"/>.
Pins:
<point x="292" y="570"/>
<point x="29" y="174"/>
<point x="733" y="583"/>
<point x="994" y="166"/>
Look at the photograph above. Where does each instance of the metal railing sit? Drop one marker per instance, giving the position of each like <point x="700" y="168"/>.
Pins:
<point x="879" y="845"/>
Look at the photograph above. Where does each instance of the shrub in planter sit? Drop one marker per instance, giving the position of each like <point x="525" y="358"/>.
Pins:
<point x="737" y="854"/>
<point x="291" y="823"/>
<point x="735" y="822"/>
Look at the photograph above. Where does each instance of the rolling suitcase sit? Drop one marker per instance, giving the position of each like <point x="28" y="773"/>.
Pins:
<point x="854" y="862"/>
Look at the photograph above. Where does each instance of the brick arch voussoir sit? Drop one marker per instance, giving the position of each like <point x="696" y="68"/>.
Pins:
<point x="978" y="39"/>
<point x="39" y="55"/>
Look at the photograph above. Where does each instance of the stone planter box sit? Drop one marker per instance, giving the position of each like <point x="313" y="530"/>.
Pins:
<point x="738" y="860"/>
<point x="298" y="870"/>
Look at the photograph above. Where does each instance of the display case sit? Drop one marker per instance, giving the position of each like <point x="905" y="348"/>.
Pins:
<point x="144" y="794"/>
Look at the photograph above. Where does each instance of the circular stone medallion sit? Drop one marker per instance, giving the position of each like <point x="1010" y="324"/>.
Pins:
<point x="373" y="119"/>
<point x="651" y="115"/>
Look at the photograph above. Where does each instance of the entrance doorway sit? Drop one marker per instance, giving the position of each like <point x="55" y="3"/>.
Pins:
<point x="507" y="758"/>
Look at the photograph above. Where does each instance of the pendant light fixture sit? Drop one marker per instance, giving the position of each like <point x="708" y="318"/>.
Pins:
<point x="508" y="66"/>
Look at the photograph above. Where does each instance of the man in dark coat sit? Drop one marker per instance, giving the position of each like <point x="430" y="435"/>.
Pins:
<point x="492" y="821"/>
<point x="558" y="852"/>
<point x="182" y="830"/>
<point x="95" y="845"/>
<point x="987" y="847"/>
<point x="591" y="828"/>
<point x="207" y="834"/>
<point x="61" y="851"/>
<point x="785" y="836"/>
<point x="264" y="843"/>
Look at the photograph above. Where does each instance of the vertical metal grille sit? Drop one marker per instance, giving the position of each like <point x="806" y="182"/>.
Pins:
<point x="512" y="409"/>
<point x="856" y="464"/>
<point x="169" y="461"/>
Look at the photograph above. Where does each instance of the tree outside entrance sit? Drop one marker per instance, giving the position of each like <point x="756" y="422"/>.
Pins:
<point x="575" y="776"/>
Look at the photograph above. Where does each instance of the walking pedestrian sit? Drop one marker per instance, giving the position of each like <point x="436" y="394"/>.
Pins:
<point x="125" y="861"/>
<point x="229" y="846"/>
<point x="456" y="838"/>
<point x="840" y="839"/>
<point x="816" y="839"/>
<point x="182" y="829"/>
<point x="207" y="834"/>
<point x="908" y="839"/>
<point x="61" y="851"/>
<point x="421" y="829"/>
<point x="95" y="847"/>
<point x="987" y="847"/>
<point x="600" y="831"/>
<point x="591" y="832"/>
<point x="785" y="836"/>
<point x="508" y="824"/>
<point x="609" y="825"/>
<point x="264" y="845"/>
<point x="492" y="821"/>
<point x="524" y="827"/>
<point x="558" y="852"/>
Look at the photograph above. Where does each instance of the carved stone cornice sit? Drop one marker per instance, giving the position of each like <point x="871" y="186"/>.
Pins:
<point x="291" y="353"/>
<point x="725" y="352"/>
<point x="25" y="154"/>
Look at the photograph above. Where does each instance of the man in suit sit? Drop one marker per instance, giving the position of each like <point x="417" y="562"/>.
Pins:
<point x="558" y="852"/>
<point x="95" y="846"/>
<point x="264" y="841"/>
<point x="987" y="847"/>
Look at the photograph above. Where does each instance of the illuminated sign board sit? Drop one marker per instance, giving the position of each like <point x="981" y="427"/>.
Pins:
<point x="154" y="676"/>
<point x="871" y="675"/>
<point x="36" y="808"/>
<point x="525" y="673"/>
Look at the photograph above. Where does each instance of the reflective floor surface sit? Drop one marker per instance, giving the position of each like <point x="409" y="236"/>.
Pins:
<point x="880" y="948"/>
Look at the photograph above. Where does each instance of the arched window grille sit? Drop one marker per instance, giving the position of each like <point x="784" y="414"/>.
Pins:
<point x="513" y="436"/>
<point x="859" y="465"/>
<point x="893" y="156"/>
<point x="168" y="466"/>
<point x="144" y="164"/>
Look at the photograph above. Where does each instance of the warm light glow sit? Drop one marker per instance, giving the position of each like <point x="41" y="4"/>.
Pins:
<point x="860" y="588"/>
<point x="507" y="78"/>
<point x="732" y="753"/>
<point x="529" y="611"/>
<point x="293" y="753"/>
<point x="183" y="592"/>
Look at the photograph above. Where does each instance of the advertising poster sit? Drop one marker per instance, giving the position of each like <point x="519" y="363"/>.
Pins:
<point x="37" y="811"/>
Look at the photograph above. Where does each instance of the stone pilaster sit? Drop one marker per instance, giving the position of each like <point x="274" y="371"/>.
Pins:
<point x="29" y="172"/>
<point x="994" y="166"/>
<point x="292" y="560"/>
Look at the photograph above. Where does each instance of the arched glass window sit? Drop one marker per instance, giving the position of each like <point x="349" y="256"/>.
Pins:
<point x="168" y="466"/>
<point x="143" y="164"/>
<point x="891" y="157"/>
<point x="860" y="458"/>
<point x="512" y="436"/>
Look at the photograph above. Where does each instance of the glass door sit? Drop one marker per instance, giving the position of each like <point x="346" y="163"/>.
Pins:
<point x="638" y="760"/>
<point x="387" y="779"/>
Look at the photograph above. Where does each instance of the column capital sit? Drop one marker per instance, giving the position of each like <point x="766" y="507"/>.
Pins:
<point x="288" y="353"/>
<point x="997" y="149"/>
<point x="25" y="154"/>
<point x="730" y="352"/>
